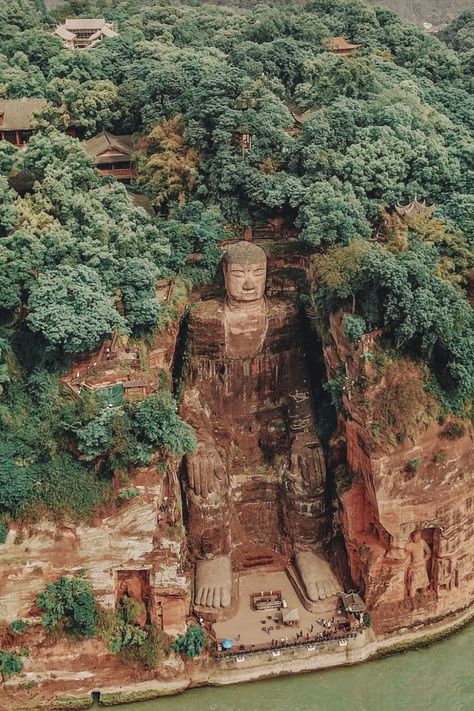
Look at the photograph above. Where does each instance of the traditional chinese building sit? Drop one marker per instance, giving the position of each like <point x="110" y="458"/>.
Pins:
<point x="16" y="119"/>
<point x="113" y="155"/>
<point x="414" y="208"/>
<point x="84" y="33"/>
<point x="342" y="47"/>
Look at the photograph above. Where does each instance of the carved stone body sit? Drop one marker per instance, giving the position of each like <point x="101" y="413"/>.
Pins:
<point x="419" y="553"/>
<point x="258" y="475"/>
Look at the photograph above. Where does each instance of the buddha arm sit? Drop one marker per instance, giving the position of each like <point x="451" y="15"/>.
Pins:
<point x="204" y="466"/>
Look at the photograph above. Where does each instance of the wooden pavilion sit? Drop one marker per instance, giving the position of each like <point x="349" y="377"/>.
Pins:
<point x="414" y="208"/>
<point x="113" y="155"/>
<point x="342" y="47"/>
<point x="16" y="119"/>
<point x="84" y="33"/>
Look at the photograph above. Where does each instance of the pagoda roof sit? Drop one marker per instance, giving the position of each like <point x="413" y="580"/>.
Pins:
<point x="107" y="31"/>
<point x="304" y="117"/>
<point x="414" y="208"/>
<point x="87" y="23"/>
<point x="340" y="44"/>
<point x="352" y="602"/>
<point x="97" y="27"/>
<point x="289" y="616"/>
<point x="64" y="33"/>
<point x="18" y="113"/>
<point x="106" y="142"/>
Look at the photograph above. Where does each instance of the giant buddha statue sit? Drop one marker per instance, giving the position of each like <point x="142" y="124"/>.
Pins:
<point x="257" y="478"/>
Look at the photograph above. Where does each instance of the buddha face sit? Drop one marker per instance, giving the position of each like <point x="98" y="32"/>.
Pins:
<point x="245" y="282"/>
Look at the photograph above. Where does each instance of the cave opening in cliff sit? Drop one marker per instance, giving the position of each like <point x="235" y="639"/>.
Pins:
<point x="132" y="594"/>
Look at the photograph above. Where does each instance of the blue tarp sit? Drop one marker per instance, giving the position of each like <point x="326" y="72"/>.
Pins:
<point x="227" y="643"/>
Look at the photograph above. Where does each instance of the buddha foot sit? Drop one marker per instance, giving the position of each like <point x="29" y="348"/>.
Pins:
<point x="213" y="584"/>
<point x="318" y="578"/>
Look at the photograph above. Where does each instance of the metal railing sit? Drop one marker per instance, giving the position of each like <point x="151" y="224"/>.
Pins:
<point x="312" y="641"/>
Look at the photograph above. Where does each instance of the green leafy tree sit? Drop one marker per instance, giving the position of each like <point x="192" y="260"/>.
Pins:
<point x="332" y="214"/>
<point x="38" y="45"/>
<point x="95" y="436"/>
<point x="7" y="157"/>
<point x="158" y="423"/>
<point x="138" y="284"/>
<point x="71" y="309"/>
<point x="69" y="603"/>
<point x="8" y="213"/>
<point x="10" y="664"/>
<point x="191" y="643"/>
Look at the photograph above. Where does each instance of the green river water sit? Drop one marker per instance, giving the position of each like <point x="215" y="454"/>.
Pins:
<point x="436" y="678"/>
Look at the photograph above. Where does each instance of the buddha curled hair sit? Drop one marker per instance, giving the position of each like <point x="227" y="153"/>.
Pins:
<point x="243" y="253"/>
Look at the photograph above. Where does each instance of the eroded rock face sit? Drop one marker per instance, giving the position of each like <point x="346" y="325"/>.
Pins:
<point x="407" y="516"/>
<point x="131" y="552"/>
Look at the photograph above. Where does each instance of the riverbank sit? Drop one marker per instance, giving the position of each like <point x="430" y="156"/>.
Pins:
<point x="255" y="666"/>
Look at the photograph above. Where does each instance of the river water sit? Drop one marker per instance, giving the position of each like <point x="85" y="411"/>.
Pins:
<point x="436" y="678"/>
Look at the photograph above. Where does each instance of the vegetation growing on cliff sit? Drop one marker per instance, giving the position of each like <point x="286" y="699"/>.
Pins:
<point x="335" y="143"/>
<point x="191" y="643"/>
<point x="10" y="664"/>
<point x="68" y="605"/>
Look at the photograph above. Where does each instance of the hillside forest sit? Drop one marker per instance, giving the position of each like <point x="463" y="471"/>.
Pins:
<point x="336" y="143"/>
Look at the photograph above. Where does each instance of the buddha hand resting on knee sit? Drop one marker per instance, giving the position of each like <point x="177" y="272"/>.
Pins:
<point x="204" y="469"/>
<point x="307" y="462"/>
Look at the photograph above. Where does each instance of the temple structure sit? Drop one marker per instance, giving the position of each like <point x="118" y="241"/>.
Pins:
<point x="113" y="155"/>
<point x="17" y="119"/>
<point x="84" y="33"/>
<point x="342" y="47"/>
<point x="296" y="555"/>
<point x="414" y="208"/>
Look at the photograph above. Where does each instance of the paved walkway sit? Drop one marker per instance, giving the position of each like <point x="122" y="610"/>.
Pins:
<point x="248" y="623"/>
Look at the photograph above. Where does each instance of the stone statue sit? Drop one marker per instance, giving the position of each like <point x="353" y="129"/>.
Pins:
<point x="131" y="587"/>
<point x="257" y="476"/>
<point x="419" y="554"/>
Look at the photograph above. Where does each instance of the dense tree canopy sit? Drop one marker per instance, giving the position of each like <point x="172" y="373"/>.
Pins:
<point x="239" y="116"/>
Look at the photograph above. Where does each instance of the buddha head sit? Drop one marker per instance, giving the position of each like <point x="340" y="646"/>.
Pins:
<point x="245" y="273"/>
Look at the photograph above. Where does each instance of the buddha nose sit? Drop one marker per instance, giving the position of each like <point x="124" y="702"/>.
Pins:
<point x="248" y="285"/>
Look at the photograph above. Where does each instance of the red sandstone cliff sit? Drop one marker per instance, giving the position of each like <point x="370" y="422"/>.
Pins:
<point x="408" y="472"/>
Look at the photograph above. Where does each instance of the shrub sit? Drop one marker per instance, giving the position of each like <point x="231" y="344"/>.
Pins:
<point x="453" y="430"/>
<point x="135" y="645"/>
<point x="441" y="457"/>
<point x="10" y="664"/>
<point x="69" y="604"/>
<point x="19" y="626"/>
<point x="354" y="327"/>
<point x="413" y="465"/>
<point x="149" y="653"/>
<point x="191" y="643"/>
<point x="158" y="423"/>
<point x="129" y="493"/>
<point x="3" y="532"/>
